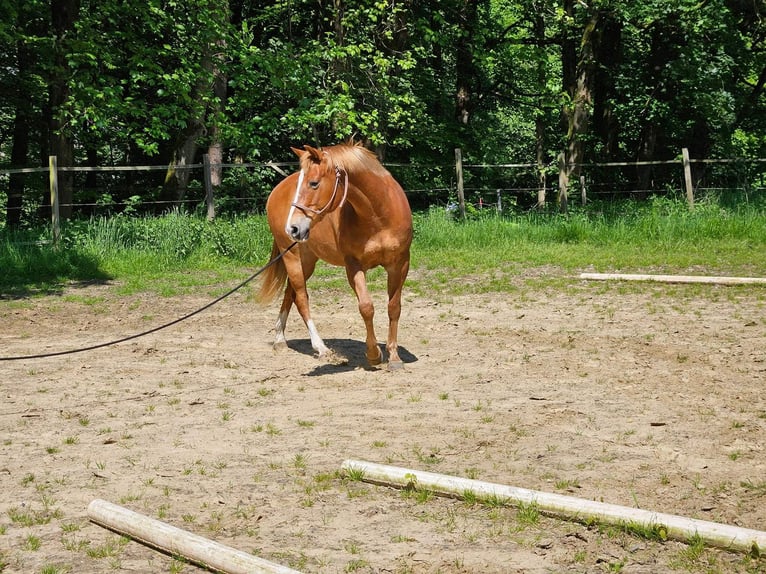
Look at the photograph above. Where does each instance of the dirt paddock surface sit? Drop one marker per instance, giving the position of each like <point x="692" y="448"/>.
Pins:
<point x="649" y="396"/>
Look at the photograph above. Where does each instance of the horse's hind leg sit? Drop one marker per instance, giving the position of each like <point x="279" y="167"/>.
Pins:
<point x="280" y="342"/>
<point x="396" y="277"/>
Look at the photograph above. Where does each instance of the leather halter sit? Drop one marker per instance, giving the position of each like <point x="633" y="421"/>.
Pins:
<point x="316" y="212"/>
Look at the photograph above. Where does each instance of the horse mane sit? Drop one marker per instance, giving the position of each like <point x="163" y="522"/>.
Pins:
<point x="352" y="157"/>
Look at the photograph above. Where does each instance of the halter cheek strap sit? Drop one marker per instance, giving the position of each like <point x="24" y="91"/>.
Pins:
<point x="317" y="212"/>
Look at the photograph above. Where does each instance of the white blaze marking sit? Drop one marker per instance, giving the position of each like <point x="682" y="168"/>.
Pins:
<point x="292" y="206"/>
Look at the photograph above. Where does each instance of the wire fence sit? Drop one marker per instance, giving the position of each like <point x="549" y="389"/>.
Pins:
<point x="244" y="187"/>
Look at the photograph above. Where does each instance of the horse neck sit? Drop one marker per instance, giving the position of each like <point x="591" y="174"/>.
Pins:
<point x="369" y="193"/>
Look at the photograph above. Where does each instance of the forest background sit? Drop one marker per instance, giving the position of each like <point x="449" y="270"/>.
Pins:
<point x="554" y="84"/>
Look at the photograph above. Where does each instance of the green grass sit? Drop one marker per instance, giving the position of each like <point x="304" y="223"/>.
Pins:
<point x="661" y="235"/>
<point x="178" y="253"/>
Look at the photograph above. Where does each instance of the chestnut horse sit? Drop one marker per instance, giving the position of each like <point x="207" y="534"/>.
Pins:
<point x="345" y="208"/>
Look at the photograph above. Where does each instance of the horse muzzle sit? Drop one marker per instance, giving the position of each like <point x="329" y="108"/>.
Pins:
<point x="298" y="228"/>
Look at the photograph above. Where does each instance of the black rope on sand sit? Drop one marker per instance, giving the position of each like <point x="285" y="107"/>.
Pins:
<point x="155" y="329"/>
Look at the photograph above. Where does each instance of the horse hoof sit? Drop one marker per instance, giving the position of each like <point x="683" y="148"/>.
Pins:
<point x="395" y="365"/>
<point x="280" y="346"/>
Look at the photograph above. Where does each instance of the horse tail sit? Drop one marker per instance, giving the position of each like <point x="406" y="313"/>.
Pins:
<point x="273" y="279"/>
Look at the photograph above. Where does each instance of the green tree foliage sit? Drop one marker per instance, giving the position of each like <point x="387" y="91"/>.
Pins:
<point x="164" y="81"/>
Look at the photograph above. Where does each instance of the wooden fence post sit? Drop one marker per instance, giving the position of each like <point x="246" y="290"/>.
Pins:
<point x="207" y="176"/>
<point x="54" y="186"/>
<point x="688" y="177"/>
<point x="583" y="195"/>
<point x="459" y="174"/>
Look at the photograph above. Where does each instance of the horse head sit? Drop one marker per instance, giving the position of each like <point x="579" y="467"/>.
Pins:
<point x="316" y="192"/>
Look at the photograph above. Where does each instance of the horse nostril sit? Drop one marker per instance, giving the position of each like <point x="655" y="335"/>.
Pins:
<point x="294" y="231"/>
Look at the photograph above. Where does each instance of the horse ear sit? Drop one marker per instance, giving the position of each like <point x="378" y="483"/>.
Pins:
<point x="315" y="154"/>
<point x="298" y="152"/>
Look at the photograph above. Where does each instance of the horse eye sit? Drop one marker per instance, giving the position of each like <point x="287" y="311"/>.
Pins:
<point x="313" y="184"/>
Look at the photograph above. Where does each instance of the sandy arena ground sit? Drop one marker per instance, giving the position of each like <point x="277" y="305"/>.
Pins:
<point x="649" y="396"/>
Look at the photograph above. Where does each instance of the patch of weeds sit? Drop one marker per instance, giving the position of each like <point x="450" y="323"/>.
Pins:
<point x="162" y="511"/>
<point x="29" y="517"/>
<point x="32" y="543"/>
<point x="354" y="473"/>
<point x="323" y="481"/>
<point x="655" y="532"/>
<point x="689" y="557"/>
<point x="419" y="495"/>
<point x="109" y="549"/>
<point x="431" y="458"/>
<point x="70" y="527"/>
<point x="566" y="484"/>
<point x="527" y="514"/>
<point x="305" y="424"/>
<point x="616" y="566"/>
<point x="495" y="501"/>
<point x="300" y="461"/>
<point x="129" y="498"/>
<point x="758" y="488"/>
<point x="49" y="569"/>
<point x="470" y="498"/>
<point x="74" y="544"/>
<point x="356" y="564"/>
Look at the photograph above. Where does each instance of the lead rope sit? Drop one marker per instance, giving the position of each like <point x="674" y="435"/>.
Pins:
<point x="155" y="329"/>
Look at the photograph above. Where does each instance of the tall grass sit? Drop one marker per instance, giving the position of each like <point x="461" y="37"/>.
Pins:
<point x="660" y="235"/>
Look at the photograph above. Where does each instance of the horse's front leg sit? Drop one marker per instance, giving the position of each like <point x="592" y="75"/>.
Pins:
<point x="358" y="281"/>
<point x="302" y="303"/>
<point x="298" y="272"/>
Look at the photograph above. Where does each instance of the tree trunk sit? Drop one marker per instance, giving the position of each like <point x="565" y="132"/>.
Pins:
<point x="177" y="176"/>
<point x="539" y="27"/>
<point x="465" y="67"/>
<point x="213" y="62"/>
<point x="578" y="72"/>
<point x="64" y="14"/>
<point x="608" y="54"/>
<point x="21" y="129"/>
